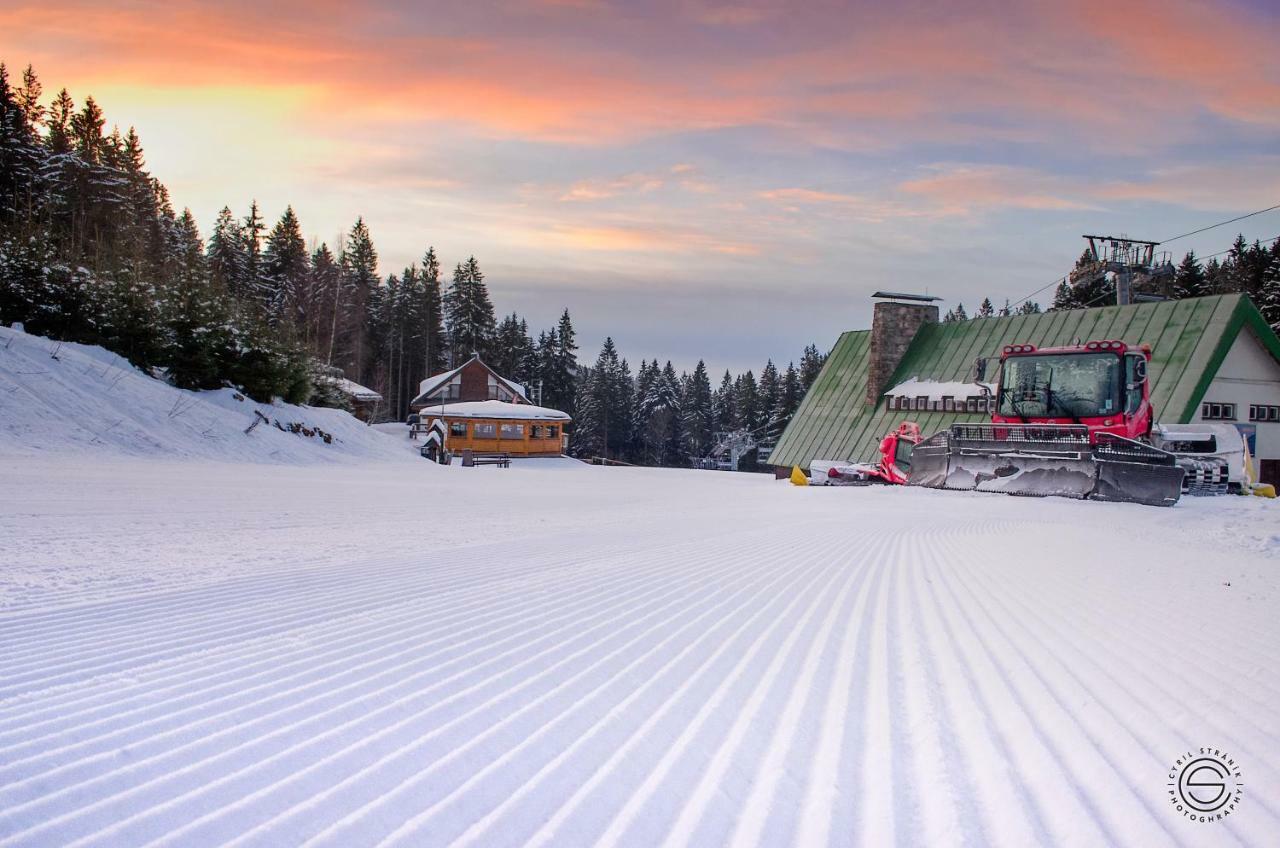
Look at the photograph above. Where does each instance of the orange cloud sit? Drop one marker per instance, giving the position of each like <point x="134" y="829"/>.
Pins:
<point x="649" y="239"/>
<point x="961" y="189"/>
<point x="601" y="189"/>
<point x="1241" y="184"/>
<point x="878" y="77"/>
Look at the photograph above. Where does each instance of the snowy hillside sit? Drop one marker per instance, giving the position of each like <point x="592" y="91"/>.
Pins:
<point x="201" y="654"/>
<point x="60" y="398"/>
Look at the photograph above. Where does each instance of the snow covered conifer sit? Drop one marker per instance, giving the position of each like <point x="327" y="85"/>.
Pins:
<point x="1190" y="280"/>
<point x="431" y="315"/>
<point x="769" y="388"/>
<point x="698" y="416"/>
<point x="359" y="276"/>
<point x="810" y="364"/>
<point x="1269" y="296"/>
<point x="285" y="268"/>
<point x="747" y="401"/>
<point x="789" y="396"/>
<point x="468" y="313"/>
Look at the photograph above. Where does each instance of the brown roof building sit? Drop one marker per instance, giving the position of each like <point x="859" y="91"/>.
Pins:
<point x="486" y="413"/>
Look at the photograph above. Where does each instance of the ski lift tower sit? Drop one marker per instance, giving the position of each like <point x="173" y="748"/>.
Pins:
<point x="729" y="450"/>
<point x="1131" y="260"/>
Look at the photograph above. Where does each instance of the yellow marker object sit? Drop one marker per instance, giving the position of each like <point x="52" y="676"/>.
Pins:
<point x="798" y="477"/>
<point x="1264" y="490"/>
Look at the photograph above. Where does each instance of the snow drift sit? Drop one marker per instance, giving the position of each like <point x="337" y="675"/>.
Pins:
<point x="65" y="398"/>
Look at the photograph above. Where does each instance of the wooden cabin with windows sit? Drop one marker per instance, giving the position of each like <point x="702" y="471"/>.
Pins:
<point x="486" y="413"/>
<point x="494" y="426"/>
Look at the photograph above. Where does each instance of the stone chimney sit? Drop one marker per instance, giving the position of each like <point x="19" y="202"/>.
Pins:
<point x="893" y="326"/>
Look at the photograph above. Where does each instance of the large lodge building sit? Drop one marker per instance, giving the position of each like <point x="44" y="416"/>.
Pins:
<point x="1213" y="359"/>
<point x="486" y="413"/>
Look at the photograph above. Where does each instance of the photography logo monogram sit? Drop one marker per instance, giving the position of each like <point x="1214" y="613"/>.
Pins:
<point x="1205" y="785"/>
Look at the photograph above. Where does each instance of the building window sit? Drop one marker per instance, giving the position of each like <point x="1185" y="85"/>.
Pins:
<point x="1218" y="411"/>
<point x="948" y="404"/>
<point x="458" y="428"/>
<point x="922" y="402"/>
<point x="513" y="431"/>
<point x="1263" y="412"/>
<point x="553" y="431"/>
<point x="485" y="431"/>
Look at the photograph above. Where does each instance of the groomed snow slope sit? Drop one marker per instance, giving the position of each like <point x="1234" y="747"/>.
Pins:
<point x="555" y="654"/>
<point x="58" y="398"/>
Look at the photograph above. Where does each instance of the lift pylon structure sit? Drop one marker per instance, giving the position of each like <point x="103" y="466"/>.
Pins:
<point x="1133" y="261"/>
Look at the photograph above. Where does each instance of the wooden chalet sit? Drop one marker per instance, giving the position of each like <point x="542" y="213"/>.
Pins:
<point x="486" y="413"/>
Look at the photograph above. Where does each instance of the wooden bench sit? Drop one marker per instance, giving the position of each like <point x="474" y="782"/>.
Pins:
<point x="502" y="460"/>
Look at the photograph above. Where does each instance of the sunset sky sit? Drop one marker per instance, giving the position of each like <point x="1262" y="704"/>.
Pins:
<point x="698" y="179"/>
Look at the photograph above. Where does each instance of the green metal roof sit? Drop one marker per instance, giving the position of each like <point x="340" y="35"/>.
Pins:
<point x="1189" y="339"/>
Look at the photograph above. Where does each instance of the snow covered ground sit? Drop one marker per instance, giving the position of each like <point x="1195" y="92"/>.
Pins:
<point x="200" y="653"/>
<point x="59" y="398"/>
<point x="209" y="637"/>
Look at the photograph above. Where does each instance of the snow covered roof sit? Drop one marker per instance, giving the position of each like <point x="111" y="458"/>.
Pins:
<point x="355" y="390"/>
<point x="435" y="381"/>
<point x="937" y="390"/>
<point x="497" y="409"/>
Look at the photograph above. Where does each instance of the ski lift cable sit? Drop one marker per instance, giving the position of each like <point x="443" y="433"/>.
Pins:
<point x="1221" y="224"/>
<point x="1229" y="249"/>
<point x="1210" y="256"/>
<point x="1062" y="279"/>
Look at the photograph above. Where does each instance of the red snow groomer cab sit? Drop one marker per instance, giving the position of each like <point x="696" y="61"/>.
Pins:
<point x="1069" y="421"/>
<point x="893" y="468"/>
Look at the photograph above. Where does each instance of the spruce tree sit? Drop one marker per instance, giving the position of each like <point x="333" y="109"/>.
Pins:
<point x="604" y="423"/>
<point x="747" y="401"/>
<point x="563" y="383"/>
<point x="21" y="156"/>
<point x="810" y="364"/>
<point x="468" y="313"/>
<point x="322" y="299"/>
<point x="254" y="284"/>
<point x="770" y="386"/>
<point x="789" y="396"/>
<point x="228" y="262"/>
<point x="431" y="311"/>
<point x="725" y="406"/>
<point x="358" y="276"/>
<point x="511" y="345"/>
<point x="698" y="414"/>
<point x="657" y="417"/>
<point x="589" y="426"/>
<point x="286" y="268"/>
<point x="1269" y="291"/>
<point x="1064" y="297"/>
<point x="1189" y="279"/>
<point x="985" y="309"/>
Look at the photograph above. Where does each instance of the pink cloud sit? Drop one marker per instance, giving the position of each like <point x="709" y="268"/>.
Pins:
<point x="962" y="189"/>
